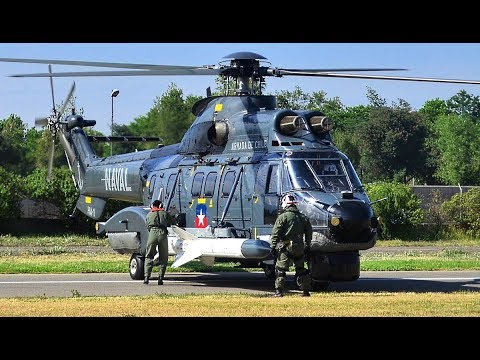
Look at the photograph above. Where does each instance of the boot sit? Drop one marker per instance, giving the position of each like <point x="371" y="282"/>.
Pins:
<point x="278" y="293"/>
<point x="146" y="280"/>
<point x="161" y="273"/>
<point x="306" y="293"/>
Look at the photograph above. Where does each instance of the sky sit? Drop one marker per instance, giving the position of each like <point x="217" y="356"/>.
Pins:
<point x="31" y="97"/>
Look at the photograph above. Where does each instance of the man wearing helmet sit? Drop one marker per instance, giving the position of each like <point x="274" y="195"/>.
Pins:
<point x="157" y="222"/>
<point x="288" y="243"/>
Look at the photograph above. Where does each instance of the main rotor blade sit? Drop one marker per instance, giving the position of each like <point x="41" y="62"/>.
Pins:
<point x="190" y="71"/>
<point x="384" y="77"/>
<point x="51" y="88"/>
<point x="295" y="71"/>
<point x="98" y="64"/>
<point x="67" y="100"/>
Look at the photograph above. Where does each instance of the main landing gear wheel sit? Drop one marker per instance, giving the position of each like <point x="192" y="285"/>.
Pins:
<point x="136" y="267"/>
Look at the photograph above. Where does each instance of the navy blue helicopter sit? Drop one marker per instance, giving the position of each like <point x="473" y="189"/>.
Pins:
<point x="225" y="179"/>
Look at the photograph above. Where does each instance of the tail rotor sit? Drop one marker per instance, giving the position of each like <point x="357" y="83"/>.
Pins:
<point x="53" y="122"/>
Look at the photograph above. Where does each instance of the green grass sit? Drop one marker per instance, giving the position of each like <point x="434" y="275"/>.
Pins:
<point x="56" y="255"/>
<point x="70" y="263"/>
<point x="66" y="240"/>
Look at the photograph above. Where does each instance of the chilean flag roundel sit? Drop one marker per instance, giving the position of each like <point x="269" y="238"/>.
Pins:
<point x="201" y="220"/>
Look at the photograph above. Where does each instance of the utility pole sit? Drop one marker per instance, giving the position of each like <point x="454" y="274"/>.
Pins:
<point x="114" y="94"/>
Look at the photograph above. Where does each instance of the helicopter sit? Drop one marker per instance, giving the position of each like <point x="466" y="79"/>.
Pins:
<point x="224" y="180"/>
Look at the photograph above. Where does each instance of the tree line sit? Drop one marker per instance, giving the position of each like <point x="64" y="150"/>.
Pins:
<point x="435" y="145"/>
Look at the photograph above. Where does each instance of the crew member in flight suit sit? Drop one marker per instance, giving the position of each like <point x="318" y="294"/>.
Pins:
<point x="157" y="222"/>
<point x="288" y="243"/>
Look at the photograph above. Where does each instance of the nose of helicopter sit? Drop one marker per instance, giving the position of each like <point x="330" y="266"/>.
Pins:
<point x="350" y="219"/>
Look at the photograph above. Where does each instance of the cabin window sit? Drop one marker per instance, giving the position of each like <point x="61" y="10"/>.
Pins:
<point x="210" y="184"/>
<point x="228" y="183"/>
<point x="261" y="179"/>
<point x="197" y="184"/>
<point x="272" y="179"/>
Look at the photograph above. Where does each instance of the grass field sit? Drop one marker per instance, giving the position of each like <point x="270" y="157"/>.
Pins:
<point x="59" y="255"/>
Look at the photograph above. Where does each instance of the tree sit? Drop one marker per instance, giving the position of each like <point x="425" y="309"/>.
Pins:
<point x="432" y="109"/>
<point x="392" y="145"/>
<point x="344" y="130"/>
<point x="464" y="104"/>
<point x="60" y="190"/>
<point x="34" y="150"/>
<point x="295" y="99"/>
<point x="374" y="99"/>
<point x="12" y="144"/>
<point x="299" y="100"/>
<point x="430" y="112"/>
<point x="124" y="147"/>
<point x="457" y="139"/>
<point x="10" y="195"/>
<point x="169" y="118"/>
<point x="101" y="148"/>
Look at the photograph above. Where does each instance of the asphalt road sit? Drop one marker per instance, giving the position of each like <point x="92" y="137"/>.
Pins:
<point x="68" y="285"/>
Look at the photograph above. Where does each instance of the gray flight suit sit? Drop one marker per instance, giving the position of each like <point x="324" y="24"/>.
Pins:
<point x="157" y="223"/>
<point x="288" y="243"/>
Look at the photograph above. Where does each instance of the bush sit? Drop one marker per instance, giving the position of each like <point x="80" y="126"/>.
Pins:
<point x="60" y="190"/>
<point x="400" y="212"/>
<point x="463" y="211"/>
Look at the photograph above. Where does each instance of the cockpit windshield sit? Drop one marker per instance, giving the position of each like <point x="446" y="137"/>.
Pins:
<point x="329" y="172"/>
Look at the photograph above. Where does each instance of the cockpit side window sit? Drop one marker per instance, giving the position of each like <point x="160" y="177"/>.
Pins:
<point x="302" y="176"/>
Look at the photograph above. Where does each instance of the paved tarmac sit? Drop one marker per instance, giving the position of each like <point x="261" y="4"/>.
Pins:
<point x="69" y="285"/>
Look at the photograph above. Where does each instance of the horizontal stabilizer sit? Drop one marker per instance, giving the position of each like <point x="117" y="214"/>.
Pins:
<point x="124" y="139"/>
<point x="91" y="206"/>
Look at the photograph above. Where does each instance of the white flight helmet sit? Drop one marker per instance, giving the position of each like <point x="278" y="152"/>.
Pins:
<point x="288" y="200"/>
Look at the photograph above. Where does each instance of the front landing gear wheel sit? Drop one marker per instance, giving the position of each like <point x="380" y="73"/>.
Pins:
<point x="136" y="267"/>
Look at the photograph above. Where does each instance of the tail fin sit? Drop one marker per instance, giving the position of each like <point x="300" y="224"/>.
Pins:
<point x="190" y="248"/>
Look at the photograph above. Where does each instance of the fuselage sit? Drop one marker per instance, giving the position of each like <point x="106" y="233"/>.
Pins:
<point x="232" y="167"/>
